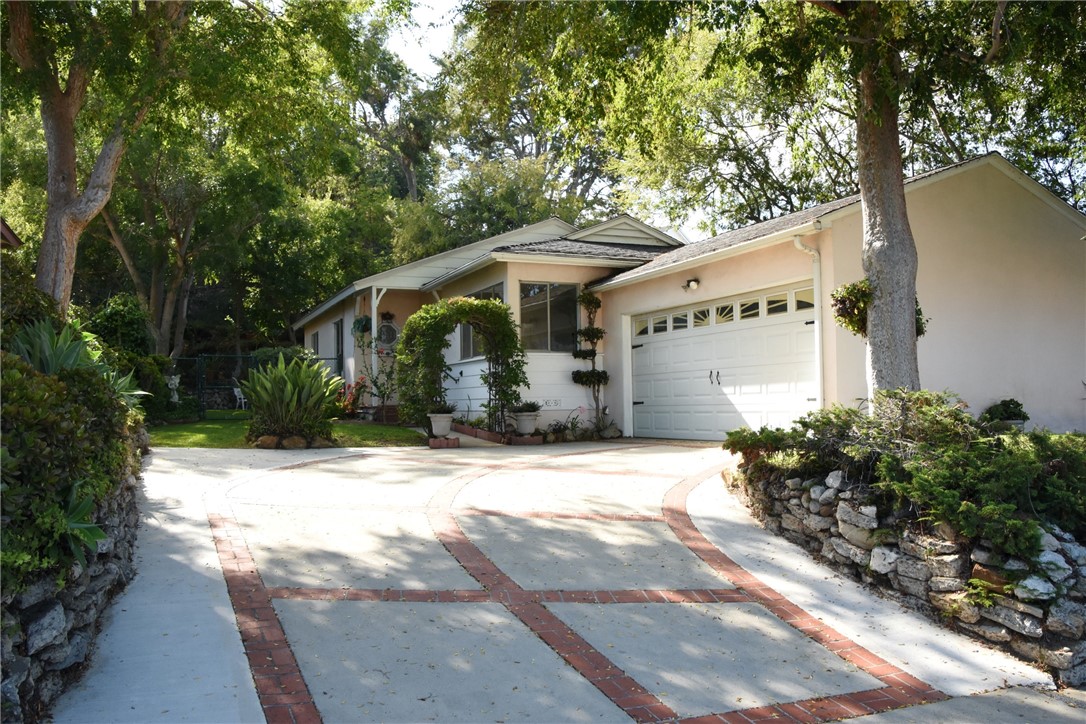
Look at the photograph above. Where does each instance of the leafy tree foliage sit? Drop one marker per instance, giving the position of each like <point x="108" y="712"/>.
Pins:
<point x="898" y="64"/>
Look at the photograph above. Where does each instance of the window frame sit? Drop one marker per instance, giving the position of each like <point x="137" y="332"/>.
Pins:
<point x="550" y="287"/>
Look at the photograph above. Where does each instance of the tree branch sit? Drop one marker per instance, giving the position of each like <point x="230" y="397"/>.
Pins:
<point x="997" y="31"/>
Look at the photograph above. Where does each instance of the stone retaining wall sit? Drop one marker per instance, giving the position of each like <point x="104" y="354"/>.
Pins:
<point x="1040" y="617"/>
<point x="47" y="633"/>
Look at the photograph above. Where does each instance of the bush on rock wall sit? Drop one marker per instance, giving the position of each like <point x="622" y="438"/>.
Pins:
<point x="978" y="527"/>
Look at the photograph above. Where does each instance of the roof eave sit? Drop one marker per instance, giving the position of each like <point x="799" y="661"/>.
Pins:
<point x="748" y="246"/>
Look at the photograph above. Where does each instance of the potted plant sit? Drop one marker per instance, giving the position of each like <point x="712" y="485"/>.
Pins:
<point x="1005" y="414"/>
<point x="526" y="414"/>
<point x="441" y="415"/>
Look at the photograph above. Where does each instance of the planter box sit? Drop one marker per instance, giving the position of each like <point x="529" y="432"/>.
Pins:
<point x="441" y="443"/>
<point x="526" y="440"/>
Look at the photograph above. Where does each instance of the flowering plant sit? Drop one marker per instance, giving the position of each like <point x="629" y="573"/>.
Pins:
<point x="350" y="395"/>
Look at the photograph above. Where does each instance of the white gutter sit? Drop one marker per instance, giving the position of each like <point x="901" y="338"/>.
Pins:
<point x="816" y="272"/>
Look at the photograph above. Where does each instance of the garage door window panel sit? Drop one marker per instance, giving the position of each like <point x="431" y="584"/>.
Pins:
<point x="701" y="317"/>
<point x="725" y="313"/>
<point x="750" y="309"/>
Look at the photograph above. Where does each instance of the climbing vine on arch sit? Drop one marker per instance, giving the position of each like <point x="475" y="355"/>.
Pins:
<point x="421" y="369"/>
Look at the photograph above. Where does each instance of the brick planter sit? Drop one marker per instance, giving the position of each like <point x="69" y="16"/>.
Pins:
<point x="441" y="443"/>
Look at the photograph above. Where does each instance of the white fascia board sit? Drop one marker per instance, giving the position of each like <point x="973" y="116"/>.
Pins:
<point x="348" y="291"/>
<point x="744" y="248"/>
<point x="473" y="265"/>
<point x="568" y="260"/>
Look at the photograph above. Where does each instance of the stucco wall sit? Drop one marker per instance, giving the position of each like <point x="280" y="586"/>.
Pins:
<point x="1002" y="277"/>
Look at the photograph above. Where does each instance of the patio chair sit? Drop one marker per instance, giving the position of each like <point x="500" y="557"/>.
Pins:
<point x="242" y="403"/>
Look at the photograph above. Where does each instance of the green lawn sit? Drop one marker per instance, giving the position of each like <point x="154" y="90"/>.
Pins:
<point x="231" y="434"/>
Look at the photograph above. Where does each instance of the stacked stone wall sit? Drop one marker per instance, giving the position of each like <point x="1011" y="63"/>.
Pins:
<point x="1035" y="609"/>
<point x="48" y="631"/>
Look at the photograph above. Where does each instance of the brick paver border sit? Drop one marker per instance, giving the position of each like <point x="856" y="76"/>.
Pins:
<point x="285" y="697"/>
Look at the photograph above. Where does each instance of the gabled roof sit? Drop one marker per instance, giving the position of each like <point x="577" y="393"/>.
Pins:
<point x="624" y="229"/>
<point x="749" y="238"/>
<point x="415" y="275"/>
<point x="620" y="242"/>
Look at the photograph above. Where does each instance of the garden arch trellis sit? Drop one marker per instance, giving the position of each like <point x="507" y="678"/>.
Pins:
<point x="420" y="355"/>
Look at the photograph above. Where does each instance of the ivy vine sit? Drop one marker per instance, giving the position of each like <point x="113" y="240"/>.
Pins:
<point x="421" y="369"/>
<point x="850" y="305"/>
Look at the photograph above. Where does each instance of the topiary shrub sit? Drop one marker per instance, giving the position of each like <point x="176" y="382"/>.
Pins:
<point x="292" y="399"/>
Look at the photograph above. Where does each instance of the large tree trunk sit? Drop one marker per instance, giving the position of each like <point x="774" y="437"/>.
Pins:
<point x="889" y="252"/>
<point x="68" y="210"/>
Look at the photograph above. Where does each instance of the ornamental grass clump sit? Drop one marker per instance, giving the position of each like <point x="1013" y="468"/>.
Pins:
<point x="292" y="399"/>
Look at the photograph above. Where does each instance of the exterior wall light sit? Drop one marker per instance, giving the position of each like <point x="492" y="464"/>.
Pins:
<point x="691" y="284"/>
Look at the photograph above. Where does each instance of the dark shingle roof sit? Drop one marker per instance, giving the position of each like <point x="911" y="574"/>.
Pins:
<point x="587" y="249"/>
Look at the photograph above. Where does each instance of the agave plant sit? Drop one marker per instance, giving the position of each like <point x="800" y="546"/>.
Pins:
<point x="49" y="352"/>
<point x="291" y="399"/>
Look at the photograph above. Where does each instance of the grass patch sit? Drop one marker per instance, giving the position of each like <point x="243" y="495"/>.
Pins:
<point x="231" y="434"/>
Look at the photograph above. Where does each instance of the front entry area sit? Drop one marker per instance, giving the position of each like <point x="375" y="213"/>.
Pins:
<point x="703" y="370"/>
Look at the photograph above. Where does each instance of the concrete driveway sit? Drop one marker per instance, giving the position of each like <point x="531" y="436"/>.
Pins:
<point x="579" y="582"/>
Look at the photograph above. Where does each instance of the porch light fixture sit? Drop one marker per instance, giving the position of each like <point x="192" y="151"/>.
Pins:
<point x="691" y="284"/>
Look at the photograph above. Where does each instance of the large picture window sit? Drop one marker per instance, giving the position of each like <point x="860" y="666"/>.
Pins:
<point x="548" y="316"/>
<point x="471" y="344"/>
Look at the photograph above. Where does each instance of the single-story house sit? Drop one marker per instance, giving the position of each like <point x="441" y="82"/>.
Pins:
<point x="738" y="330"/>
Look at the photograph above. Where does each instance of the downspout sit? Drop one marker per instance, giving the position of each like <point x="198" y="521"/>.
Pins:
<point x="377" y="295"/>
<point x="816" y="272"/>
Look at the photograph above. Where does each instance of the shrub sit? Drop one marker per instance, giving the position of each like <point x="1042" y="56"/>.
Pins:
<point x="21" y="303"/>
<point x="1009" y="409"/>
<point x="526" y="406"/>
<point x="292" y="399"/>
<point x="122" y="323"/>
<point x="268" y="355"/>
<point x="57" y="430"/>
<point x="921" y="451"/>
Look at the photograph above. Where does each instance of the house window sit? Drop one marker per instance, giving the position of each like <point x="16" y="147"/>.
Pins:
<point x="659" y="325"/>
<point x="641" y="327"/>
<point x="680" y="320"/>
<point x="725" y="313"/>
<point x="776" y="304"/>
<point x="337" y="333"/>
<point x="701" y="317"/>
<point x="471" y="344"/>
<point x="548" y="316"/>
<point x="315" y="344"/>
<point x="750" y="309"/>
<point x="804" y="299"/>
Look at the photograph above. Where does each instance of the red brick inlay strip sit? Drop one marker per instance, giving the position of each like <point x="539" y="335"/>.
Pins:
<point x="607" y="517"/>
<point x="901" y="689"/>
<point x="282" y="691"/>
<point x="612" y="681"/>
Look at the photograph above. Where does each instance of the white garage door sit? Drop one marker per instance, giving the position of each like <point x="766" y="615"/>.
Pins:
<point x="701" y="371"/>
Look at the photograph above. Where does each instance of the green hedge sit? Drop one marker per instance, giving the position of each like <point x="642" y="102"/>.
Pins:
<point x="57" y="432"/>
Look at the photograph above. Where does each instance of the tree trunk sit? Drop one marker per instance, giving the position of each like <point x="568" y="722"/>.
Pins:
<point x="889" y="251"/>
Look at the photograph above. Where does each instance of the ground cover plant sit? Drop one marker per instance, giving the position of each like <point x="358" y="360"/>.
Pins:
<point x="231" y="433"/>
<point x="922" y="454"/>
